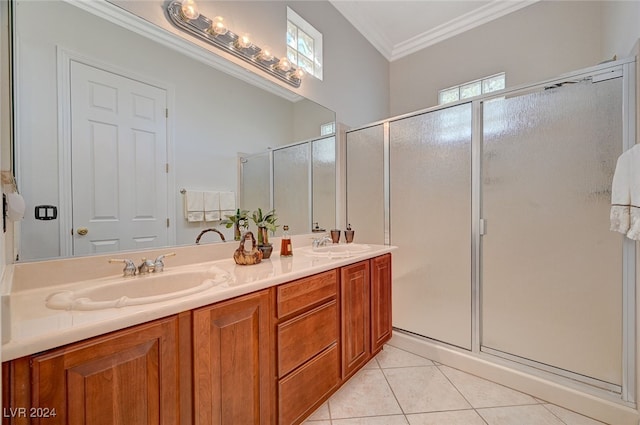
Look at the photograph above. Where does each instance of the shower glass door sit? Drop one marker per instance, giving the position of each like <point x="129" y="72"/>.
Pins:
<point x="365" y="184"/>
<point x="255" y="189"/>
<point x="430" y="187"/>
<point x="551" y="271"/>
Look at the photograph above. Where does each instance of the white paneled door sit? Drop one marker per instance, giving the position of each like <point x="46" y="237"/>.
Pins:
<point x="119" y="157"/>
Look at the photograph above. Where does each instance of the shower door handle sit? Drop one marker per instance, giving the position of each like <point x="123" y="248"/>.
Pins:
<point x="483" y="227"/>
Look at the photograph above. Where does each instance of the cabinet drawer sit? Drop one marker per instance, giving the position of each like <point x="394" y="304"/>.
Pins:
<point x="303" y="293"/>
<point x="304" y="336"/>
<point x="307" y="387"/>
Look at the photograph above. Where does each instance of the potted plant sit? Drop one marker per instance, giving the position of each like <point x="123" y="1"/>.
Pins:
<point x="239" y="221"/>
<point x="266" y="222"/>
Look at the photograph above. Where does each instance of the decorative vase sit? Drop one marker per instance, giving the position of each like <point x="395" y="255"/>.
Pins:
<point x="236" y="231"/>
<point x="242" y="256"/>
<point x="263" y="236"/>
<point x="266" y="250"/>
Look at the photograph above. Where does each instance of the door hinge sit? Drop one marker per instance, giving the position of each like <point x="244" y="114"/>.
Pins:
<point x="166" y="168"/>
<point x="167" y="222"/>
<point x="166" y="113"/>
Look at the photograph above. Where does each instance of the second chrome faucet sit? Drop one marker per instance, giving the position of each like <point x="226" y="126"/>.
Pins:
<point x="147" y="266"/>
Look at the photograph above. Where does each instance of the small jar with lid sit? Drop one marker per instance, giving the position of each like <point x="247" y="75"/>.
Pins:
<point x="285" y="244"/>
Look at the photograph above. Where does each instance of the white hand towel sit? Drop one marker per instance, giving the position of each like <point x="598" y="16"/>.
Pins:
<point x="194" y="206"/>
<point x="625" y="194"/>
<point x="211" y="206"/>
<point x="227" y="201"/>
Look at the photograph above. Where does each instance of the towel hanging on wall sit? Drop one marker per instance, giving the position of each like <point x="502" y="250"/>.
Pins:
<point x="211" y="206"/>
<point x="194" y="206"/>
<point x="625" y="194"/>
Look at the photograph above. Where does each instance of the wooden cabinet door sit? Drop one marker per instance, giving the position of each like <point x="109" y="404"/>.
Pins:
<point x="129" y="377"/>
<point x="381" y="325"/>
<point x="232" y="358"/>
<point x="354" y="300"/>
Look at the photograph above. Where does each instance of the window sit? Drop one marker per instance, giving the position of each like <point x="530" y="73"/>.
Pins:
<point x="327" y="128"/>
<point x="472" y="88"/>
<point x="304" y="45"/>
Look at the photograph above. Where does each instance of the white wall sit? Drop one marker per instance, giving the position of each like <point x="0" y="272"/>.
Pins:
<point x="211" y="120"/>
<point x="540" y="41"/>
<point x="620" y="27"/>
<point x="356" y="75"/>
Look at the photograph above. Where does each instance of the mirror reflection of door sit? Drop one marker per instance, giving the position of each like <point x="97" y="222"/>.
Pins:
<point x="119" y="162"/>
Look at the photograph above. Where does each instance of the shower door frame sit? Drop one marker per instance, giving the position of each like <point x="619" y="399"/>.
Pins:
<point x="626" y="69"/>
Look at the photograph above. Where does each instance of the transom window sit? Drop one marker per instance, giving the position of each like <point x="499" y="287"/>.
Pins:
<point x="472" y="88"/>
<point x="304" y="45"/>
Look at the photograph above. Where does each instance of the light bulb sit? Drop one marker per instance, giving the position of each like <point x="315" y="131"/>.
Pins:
<point x="190" y="9"/>
<point x="284" y="65"/>
<point x="298" y="74"/>
<point x="243" y="42"/>
<point x="218" y="26"/>
<point x="266" y="54"/>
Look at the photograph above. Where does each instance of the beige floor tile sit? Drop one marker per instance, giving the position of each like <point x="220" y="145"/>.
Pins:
<point x="321" y="412"/>
<point x="483" y="393"/>
<point x="372" y="364"/>
<point x="366" y="394"/>
<point x="395" y="357"/>
<point x="308" y="422"/>
<point x="569" y="417"/>
<point x="424" y="389"/>
<point x="373" y="420"/>
<point x="519" y="415"/>
<point x="458" y="417"/>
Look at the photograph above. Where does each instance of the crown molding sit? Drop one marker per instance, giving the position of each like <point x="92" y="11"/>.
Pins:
<point x="364" y="25"/>
<point x="487" y="13"/>
<point x="371" y="29"/>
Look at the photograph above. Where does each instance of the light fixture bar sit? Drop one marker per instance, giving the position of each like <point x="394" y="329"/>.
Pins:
<point x="228" y="42"/>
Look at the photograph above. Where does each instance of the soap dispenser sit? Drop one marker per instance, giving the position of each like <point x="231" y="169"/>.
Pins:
<point x="285" y="243"/>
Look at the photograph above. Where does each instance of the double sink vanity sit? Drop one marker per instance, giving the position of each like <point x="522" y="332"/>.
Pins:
<point x="201" y="342"/>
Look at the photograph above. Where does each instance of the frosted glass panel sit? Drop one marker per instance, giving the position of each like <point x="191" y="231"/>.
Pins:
<point x="431" y="224"/>
<point x="291" y="176"/>
<point x="365" y="184"/>
<point x="551" y="269"/>
<point x="324" y="182"/>
<point x="256" y="189"/>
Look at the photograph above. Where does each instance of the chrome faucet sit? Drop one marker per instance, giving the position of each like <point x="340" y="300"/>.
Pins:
<point x="209" y="230"/>
<point x="323" y="241"/>
<point x="147" y="266"/>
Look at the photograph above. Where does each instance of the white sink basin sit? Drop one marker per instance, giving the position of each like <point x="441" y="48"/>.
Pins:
<point x="137" y="290"/>
<point x="336" y="250"/>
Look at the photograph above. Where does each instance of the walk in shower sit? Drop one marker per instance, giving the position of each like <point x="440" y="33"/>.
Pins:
<point x="500" y="209"/>
<point x="298" y="180"/>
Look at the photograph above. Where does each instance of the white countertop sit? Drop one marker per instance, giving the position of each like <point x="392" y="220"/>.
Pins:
<point x="29" y="326"/>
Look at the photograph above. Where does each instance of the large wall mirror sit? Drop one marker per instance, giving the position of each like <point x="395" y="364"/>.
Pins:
<point x="79" y="79"/>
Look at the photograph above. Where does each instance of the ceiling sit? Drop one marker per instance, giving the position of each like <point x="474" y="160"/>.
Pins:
<point x="398" y="28"/>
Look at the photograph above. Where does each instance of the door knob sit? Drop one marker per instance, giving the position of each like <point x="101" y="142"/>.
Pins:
<point x="82" y="231"/>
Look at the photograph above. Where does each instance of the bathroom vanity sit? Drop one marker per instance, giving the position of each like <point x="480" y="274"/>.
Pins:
<point x="268" y="345"/>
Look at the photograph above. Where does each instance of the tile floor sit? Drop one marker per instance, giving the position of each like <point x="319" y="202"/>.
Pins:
<point x="400" y="388"/>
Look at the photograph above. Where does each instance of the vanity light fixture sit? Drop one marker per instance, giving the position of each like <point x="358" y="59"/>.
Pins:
<point x="218" y="27"/>
<point x="185" y="16"/>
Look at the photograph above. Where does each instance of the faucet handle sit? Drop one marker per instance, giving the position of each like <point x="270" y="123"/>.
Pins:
<point x="130" y="268"/>
<point x="158" y="265"/>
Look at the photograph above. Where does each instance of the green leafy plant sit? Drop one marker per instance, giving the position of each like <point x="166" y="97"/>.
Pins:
<point x="240" y="221"/>
<point x="266" y="222"/>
